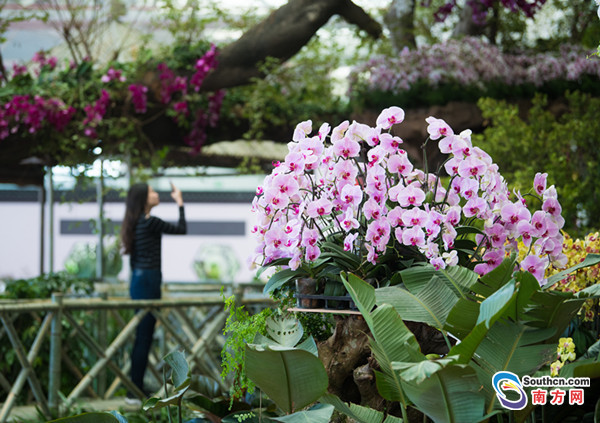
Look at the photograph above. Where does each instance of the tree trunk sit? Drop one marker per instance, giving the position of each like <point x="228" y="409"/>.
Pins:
<point x="466" y="26"/>
<point x="400" y="21"/>
<point x="281" y="35"/>
<point x="349" y="363"/>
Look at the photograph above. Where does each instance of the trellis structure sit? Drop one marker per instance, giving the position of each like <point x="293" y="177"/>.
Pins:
<point x="193" y="325"/>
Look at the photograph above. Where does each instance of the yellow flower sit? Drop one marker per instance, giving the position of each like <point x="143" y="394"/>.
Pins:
<point x="555" y="367"/>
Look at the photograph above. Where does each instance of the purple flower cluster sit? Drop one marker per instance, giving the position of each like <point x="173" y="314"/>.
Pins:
<point x="327" y="186"/>
<point x="470" y="62"/>
<point x="19" y="69"/>
<point x="204" y="119"/>
<point x="95" y="113"/>
<point x="139" y="97"/>
<point x="481" y="8"/>
<point x="21" y="111"/>
<point x="170" y="83"/>
<point x="203" y="66"/>
<point x="41" y="59"/>
<point x="31" y="113"/>
<point x="113" y="74"/>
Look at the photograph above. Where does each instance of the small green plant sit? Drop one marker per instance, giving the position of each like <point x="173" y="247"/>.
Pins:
<point x="241" y="328"/>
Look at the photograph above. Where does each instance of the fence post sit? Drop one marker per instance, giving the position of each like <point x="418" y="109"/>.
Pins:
<point x="55" y="354"/>
<point x="103" y="342"/>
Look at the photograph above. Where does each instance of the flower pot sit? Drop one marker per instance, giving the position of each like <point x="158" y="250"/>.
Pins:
<point x="306" y="293"/>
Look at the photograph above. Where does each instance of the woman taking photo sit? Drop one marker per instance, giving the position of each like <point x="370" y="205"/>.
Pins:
<point x="141" y="238"/>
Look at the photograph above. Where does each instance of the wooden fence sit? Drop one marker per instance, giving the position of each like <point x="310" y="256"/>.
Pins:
<point x="192" y="323"/>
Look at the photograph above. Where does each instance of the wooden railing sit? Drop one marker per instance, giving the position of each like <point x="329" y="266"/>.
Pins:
<point x="192" y="323"/>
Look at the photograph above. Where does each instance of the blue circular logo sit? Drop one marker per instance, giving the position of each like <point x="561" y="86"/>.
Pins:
<point x="508" y="381"/>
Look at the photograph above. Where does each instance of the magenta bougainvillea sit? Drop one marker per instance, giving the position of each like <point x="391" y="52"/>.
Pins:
<point x="26" y="114"/>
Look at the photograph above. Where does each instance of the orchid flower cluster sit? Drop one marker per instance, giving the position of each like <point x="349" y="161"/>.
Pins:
<point x="471" y="62"/>
<point x="356" y="182"/>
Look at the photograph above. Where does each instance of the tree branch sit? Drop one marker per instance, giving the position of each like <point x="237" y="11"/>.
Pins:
<point x="281" y="35"/>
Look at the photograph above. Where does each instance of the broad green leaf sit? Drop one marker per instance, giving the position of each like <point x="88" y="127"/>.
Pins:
<point x="220" y="408"/>
<point x="395" y="341"/>
<point x="511" y="347"/>
<point x="552" y="309"/>
<point x="392" y="419"/>
<point x="205" y="385"/>
<point x="362" y="294"/>
<point x="589" y="292"/>
<point x="590" y="260"/>
<point x="449" y="395"/>
<point x="461" y="319"/>
<point x="320" y="413"/>
<point x="581" y="368"/>
<point x="492" y="281"/>
<point x="416" y="372"/>
<point x="292" y="378"/>
<point x="354" y="411"/>
<point x="431" y="305"/>
<point x="469" y="344"/>
<point x="157" y="403"/>
<point x="176" y="360"/>
<point x="279" y="279"/>
<point x="389" y="386"/>
<point x="90" y="418"/>
<point x="415" y="278"/>
<point x="528" y="285"/>
<point x="309" y="345"/>
<point x="593" y="352"/>
<point x="496" y="303"/>
<point x="119" y="417"/>
<point x="459" y="278"/>
<point x="286" y="332"/>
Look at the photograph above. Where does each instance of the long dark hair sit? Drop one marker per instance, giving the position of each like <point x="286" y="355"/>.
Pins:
<point x="137" y="197"/>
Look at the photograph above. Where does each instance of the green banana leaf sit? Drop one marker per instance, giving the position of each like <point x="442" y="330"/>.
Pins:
<point x="458" y="279"/>
<point x="552" y="309"/>
<point x="392" y="341"/>
<point x="581" y="368"/>
<point x="359" y="413"/>
<point x="449" y="395"/>
<point x="513" y="347"/>
<point x="494" y="280"/>
<point x="431" y="304"/>
<point x="320" y="413"/>
<point x="590" y="260"/>
<point x="96" y="417"/>
<point x="292" y="378"/>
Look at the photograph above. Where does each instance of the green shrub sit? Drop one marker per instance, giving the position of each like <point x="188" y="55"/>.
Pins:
<point x="566" y="145"/>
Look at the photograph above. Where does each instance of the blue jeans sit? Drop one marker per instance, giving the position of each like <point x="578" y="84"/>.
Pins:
<point x="145" y="285"/>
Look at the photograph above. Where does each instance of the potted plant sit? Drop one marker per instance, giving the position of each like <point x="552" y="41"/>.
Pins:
<point x="349" y="199"/>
